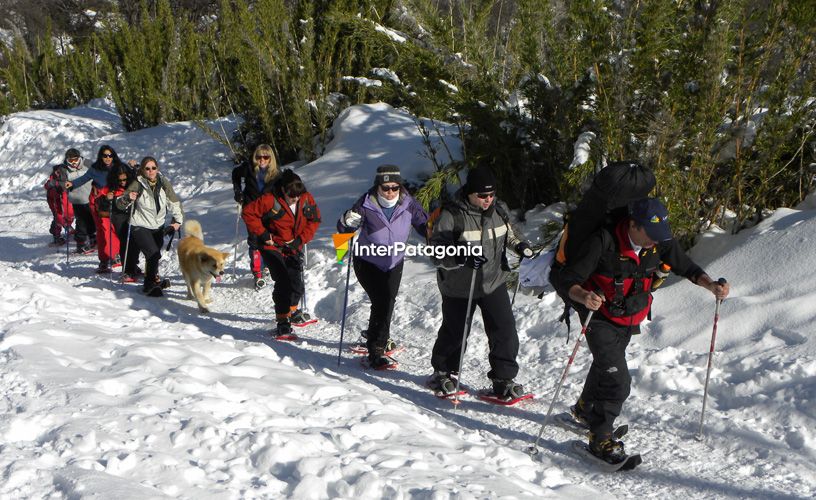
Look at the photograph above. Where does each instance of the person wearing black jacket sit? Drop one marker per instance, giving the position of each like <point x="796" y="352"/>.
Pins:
<point x="612" y="275"/>
<point x="250" y="180"/>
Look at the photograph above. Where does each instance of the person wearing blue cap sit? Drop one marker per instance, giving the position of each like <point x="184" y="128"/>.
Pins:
<point x="612" y="275"/>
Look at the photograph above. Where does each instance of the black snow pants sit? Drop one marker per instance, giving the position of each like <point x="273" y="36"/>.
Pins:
<point x="382" y="288"/>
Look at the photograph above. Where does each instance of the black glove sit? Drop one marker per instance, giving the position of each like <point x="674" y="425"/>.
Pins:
<point x="169" y="231"/>
<point x="475" y="261"/>
<point x="239" y="197"/>
<point x="294" y="245"/>
<point x="523" y="249"/>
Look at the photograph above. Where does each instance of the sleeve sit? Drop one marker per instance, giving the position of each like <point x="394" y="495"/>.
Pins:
<point x="585" y="262"/>
<point x="123" y="202"/>
<point x="82" y="179"/>
<point x="236" y="178"/>
<point x="443" y="236"/>
<point x="681" y="264"/>
<point x="252" y="214"/>
<point x="357" y="207"/>
<point x="312" y="214"/>
<point x="419" y="218"/>
<point x="173" y="202"/>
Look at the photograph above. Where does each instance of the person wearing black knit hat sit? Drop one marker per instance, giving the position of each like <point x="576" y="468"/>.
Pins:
<point x="476" y="220"/>
<point x="385" y="215"/>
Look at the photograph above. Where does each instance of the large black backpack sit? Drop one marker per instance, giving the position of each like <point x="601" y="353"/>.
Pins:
<point x="605" y="202"/>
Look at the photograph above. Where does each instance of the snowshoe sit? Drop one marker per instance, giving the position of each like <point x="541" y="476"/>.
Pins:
<point x="153" y="291"/>
<point x="299" y="319"/>
<point x="128" y="278"/>
<point x="283" y="331"/>
<point x="259" y="283"/>
<point x="608" y="455"/>
<point x="444" y="386"/>
<point x="84" y="249"/>
<point x="382" y="362"/>
<point x="103" y="268"/>
<point x="391" y="347"/>
<point x="58" y="242"/>
<point x="117" y="262"/>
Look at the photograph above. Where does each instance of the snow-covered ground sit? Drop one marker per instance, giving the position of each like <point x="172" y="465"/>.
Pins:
<point x="107" y="393"/>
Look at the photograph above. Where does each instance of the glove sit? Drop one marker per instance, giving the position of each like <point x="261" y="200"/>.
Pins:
<point x="169" y="230"/>
<point x="475" y="261"/>
<point x="294" y="245"/>
<point x="239" y="197"/>
<point x="524" y="250"/>
<point x="352" y="219"/>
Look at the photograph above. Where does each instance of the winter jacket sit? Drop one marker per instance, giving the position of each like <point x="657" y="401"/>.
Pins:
<point x="378" y="230"/>
<point x="96" y="174"/>
<point x="607" y="264"/>
<point x="152" y="204"/>
<point x="54" y="182"/>
<point x="486" y="228"/>
<point x="270" y="218"/>
<point x="250" y="192"/>
<point x="104" y="206"/>
<point x="65" y="172"/>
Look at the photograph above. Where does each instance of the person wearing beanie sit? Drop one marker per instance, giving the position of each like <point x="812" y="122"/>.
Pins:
<point x="612" y="276"/>
<point x="282" y="221"/>
<point x="73" y="168"/>
<point x="384" y="216"/>
<point x="476" y="224"/>
<point x="257" y="176"/>
<point x="62" y="211"/>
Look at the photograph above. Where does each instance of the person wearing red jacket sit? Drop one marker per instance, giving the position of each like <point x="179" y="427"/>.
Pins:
<point x="282" y="221"/>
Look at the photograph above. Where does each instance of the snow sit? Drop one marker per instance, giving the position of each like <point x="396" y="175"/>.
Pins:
<point x="110" y="393"/>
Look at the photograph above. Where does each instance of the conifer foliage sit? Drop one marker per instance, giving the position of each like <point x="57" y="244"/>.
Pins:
<point x="716" y="97"/>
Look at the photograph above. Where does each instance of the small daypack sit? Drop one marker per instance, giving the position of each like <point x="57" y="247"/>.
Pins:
<point x="605" y="202"/>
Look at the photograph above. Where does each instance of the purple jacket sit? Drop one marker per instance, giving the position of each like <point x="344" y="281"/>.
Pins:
<point x="376" y="229"/>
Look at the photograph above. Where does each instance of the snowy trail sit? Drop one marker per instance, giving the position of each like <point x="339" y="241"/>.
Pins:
<point x="105" y="390"/>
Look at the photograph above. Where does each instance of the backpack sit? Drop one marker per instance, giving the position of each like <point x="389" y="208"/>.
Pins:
<point x="605" y="202"/>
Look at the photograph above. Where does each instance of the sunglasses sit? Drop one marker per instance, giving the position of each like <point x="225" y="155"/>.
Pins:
<point x="151" y="168"/>
<point x="107" y="155"/>
<point x="73" y="160"/>
<point x="263" y="157"/>
<point x="484" y="196"/>
<point x="386" y="189"/>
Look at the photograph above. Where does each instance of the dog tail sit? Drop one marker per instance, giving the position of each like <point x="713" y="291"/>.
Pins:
<point x="193" y="228"/>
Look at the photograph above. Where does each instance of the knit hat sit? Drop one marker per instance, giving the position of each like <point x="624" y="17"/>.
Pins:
<point x="653" y="216"/>
<point x="387" y="173"/>
<point x="480" y="180"/>
<point x="72" y="153"/>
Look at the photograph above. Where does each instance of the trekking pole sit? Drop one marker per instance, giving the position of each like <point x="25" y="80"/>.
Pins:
<point x="468" y="319"/>
<point x="518" y="285"/>
<point x="235" y="246"/>
<point x="127" y="243"/>
<point x="345" y="299"/>
<point x="721" y="281"/>
<point x="303" y="277"/>
<point x="110" y="242"/>
<point x="67" y="229"/>
<point x="534" y="448"/>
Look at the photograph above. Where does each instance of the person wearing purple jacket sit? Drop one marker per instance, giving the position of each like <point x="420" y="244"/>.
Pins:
<point x="384" y="215"/>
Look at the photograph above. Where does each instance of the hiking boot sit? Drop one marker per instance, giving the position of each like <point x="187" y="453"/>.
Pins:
<point x="507" y="389"/>
<point x="152" y="290"/>
<point x="103" y="267"/>
<point x="117" y="262"/>
<point x="259" y="283"/>
<point x="299" y="317"/>
<point x="84" y="249"/>
<point x="283" y="330"/>
<point x="442" y="383"/>
<point x="379" y="361"/>
<point x="609" y="450"/>
<point x="579" y="412"/>
<point x="162" y="283"/>
<point x="58" y="241"/>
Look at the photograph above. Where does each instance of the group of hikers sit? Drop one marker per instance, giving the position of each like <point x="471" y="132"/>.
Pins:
<point x="608" y="280"/>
